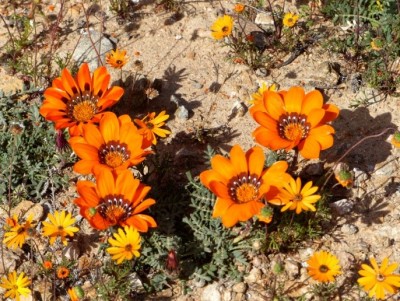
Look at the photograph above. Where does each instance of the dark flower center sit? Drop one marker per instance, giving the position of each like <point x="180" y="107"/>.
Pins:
<point x="114" y="153"/>
<point x="225" y="29"/>
<point x="244" y="189"/>
<point x="380" y="277"/>
<point x="149" y="125"/>
<point x="128" y="248"/>
<point x="20" y="230"/>
<point x="119" y="62"/>
<point x="298" y="198"/>
<point x="114" y="208"/>
<point x="82" y="107"/>
<point x="293" y="126"/>
<point x="323" y="269"/>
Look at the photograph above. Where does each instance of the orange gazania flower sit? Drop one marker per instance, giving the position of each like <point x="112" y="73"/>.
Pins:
<point x="11" y="222"/>
<point x="290" y="119"/>
<point x="150" y="127"/>
<point x="47" y="265"/>
<point x="238" y="8"/>
<point x="116" y="58"/>
<point x="62" y="272"/>
<point x="115" y="145"/>
<point x="115" y="200"/>
<point x="71" y="102"/>
<point x="241" y="183"/>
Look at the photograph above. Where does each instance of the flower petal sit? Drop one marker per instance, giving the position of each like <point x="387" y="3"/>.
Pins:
<point x="293" y="99"/>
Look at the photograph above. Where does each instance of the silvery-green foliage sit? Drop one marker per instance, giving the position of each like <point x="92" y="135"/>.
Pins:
<point x="29" y="163"/>
<point x="214" y="244"/>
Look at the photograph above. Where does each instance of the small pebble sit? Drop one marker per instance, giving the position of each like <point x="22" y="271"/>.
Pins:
<point x="342" y="207"/>
<point x="239" y="287"/>
<point x="349" y="229"/>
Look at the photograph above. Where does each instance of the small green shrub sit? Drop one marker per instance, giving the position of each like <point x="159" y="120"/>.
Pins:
<point x="30" y="166"/>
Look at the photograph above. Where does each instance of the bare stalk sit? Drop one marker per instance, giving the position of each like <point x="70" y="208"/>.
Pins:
<point x="90" y="36"/>
<point x="330" y="172"/>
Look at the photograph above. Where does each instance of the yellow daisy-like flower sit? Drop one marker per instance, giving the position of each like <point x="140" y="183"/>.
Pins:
<point x="395" y="139"/>
<point x="257" y="98"/>
<point x="17" y="233"/>
<point x="116" y="58"/>
<point x="150" y="127"/>
<point x="293" y="197"/>
<point x="125" y="245"/>
<point x="377" y="280"/>
<point x="323" y="266"/>
<point x="60" y="225"/>
<point x="290" y="20"/>
<point x="15" y="285"/>
<point x="222" y="27"/>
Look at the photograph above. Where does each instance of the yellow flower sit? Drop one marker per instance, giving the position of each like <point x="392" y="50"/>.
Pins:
<point x="293" y="197"/>
<point x="377" y="280"/>
<point x="222" y="27"/>
<point x="379" y="5"/>
<point x="15" y="285"/>
<point x="396" y="139"/>
<point x="116" y="59"/>
<point x="17" y="233"/>
<point x="323" y="266"/>
<point x="150" y="127"/>
<point x="238" y="8"/>
<point x="125" y="245"/>
<point x="290" y="20"/>
<point x="257" y="98"/>
<point x="60" y="225"/>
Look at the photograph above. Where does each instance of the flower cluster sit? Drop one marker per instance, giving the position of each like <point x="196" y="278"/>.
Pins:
<point x="288" y="120"/>
<point x="107" y="146"/>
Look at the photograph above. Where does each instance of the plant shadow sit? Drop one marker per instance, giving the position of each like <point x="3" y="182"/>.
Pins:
<point x="351" y="127"/>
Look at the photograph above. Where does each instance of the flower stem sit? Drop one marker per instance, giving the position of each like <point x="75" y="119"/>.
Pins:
<point x="295" y="159"/>
<point x="330" y="172"/>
